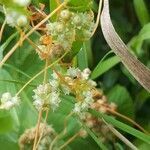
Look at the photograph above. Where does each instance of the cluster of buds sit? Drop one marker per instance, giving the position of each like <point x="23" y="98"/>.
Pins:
<point x="68" y="27"/>
<point x="45" y="131"/>
<point x="15" y="17"/>
<point x="7" y="101"/>
<point x="101" y="105"/>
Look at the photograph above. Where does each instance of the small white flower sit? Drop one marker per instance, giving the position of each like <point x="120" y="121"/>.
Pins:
<point x="73" y="72"/>
<point x="7" y="101"/>
<point x="54" y="75"/>
<point x="54" y="84"/>
<point x="76" y="20"/>
<point x="59" y="28"/>
<point x="6" y="97"/>
<point x="65" y="14"/>
<point x="22" y="2"/>
<point x="86" y="73"/>
<point x="65" y="89"/>
<point x="77" y="108"/>
<point x="15" y="100"/>
<point x="22" y="20"/>
<point x="92" y="83"/>
<point x="11" y="17"/>
<point x="8" y="105"/>
<point x="54" y="100"/>
<point x="38" y="104"/>
<point x="42" y="89"/>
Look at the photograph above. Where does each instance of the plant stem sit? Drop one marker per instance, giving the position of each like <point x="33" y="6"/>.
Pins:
<point x="37" y="129"/>
<point x="38" y="74"/>
<point x="2" y="29"/>
<point x="47" y="111"/>
<point x="98" y="16"/>
<point x="69" y="141"/>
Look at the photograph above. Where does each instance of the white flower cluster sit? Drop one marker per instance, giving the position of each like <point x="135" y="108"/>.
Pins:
<point x="8" y="102"/>
<point x="83" y="106"/>
<point x="69" y="26"/>
<point x="83" y="88"/>
<point x="49" y="94"/>
<point x="17" y="18"/>
<point x="46" y="95"/>
<point x="22" y="3"/>
<point x="74" y="82"/>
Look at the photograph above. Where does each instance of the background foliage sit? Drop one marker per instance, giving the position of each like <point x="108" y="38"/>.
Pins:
<point x="132" y="21"/>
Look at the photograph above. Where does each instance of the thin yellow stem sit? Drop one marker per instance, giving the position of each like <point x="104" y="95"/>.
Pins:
<point x="45" y="71"/>
<point x="2" y="29"/>
<point x="45" y="120"/>
<point x="62" y="133"/>
<point x="58" y="2"/>
<point x="37" y="129"/>
<point x="98" y="16"/>
<point x="29" y="33"/>
<point x="38" y="74"/>
<point x="33" y="45"/>
<point x="70" y="140"/>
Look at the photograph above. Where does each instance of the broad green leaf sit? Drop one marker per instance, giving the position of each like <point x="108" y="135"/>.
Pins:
<point x="6" y="87"/>
<point x="82" y="58"/>
<point x="6" y="43"/>
<point x="6" y="121"/>
<point x="121" y="97"/>
<point x="141" y="11"/>
<point x="124" y="127"/>
<point x="104" y="66"/>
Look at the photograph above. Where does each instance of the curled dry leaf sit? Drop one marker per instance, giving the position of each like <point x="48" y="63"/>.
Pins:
<point x="140" y="72"/>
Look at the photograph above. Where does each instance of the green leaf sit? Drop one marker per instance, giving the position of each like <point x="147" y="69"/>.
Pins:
<point x="96" y="139"/>
<point x="141" y="11"/>
<point x="137" y="42"/>
<point x="76" y="47"/>
<point x="121" y="97"/>
<point x="6" y="43"/>
<point x="82" y="58"/>
<point x="104" y="66"/>
<point x="122" y="126"/>
<point x="82" y="5"/>
<point x="7" y="87"/>
<point x="53" y="6"/>
<point x="6" y="121"/>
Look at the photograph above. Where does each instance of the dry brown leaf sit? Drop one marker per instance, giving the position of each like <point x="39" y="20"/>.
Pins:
<point x="140" y="72"/>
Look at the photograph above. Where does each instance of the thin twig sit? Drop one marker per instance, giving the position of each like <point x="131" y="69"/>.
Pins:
<point x="2" y="29"/>
<point x="38" y="74"/>
<point x="98" y="16"/>
<point x="45" y="120"/>
<point x="62" y="133"/>
<point x="37" y="129"/>
<point x="70" y="140"/>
